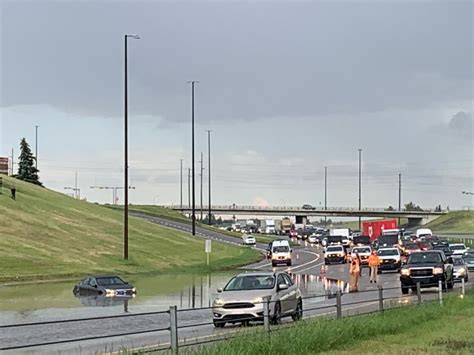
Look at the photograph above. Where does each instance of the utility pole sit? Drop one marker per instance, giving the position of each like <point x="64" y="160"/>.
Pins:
<point x="325" y="193"/>
<point x="209" y="172"/>
<point x="202" y="169"/>
<point x="125" y="116"/>
<point x="36" y="147"/>
<point x="399" y="195"/>
<point x="181" y="183"/>
<point x="189" y="187"/>
<point x="13" y="161"/>
<point x="193" y="82"/>
<point x="360" y="186"/>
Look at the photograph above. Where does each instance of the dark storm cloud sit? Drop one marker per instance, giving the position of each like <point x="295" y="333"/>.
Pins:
<point x="253" y="59"/>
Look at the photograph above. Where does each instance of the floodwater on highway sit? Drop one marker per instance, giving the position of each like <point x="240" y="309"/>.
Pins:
<point x="54" y="300"/>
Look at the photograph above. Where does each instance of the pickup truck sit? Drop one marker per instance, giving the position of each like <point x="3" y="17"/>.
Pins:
<point x="427" y="268"/>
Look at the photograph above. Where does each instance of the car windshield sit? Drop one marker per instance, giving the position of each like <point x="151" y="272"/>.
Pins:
<point x="468" y="258"/>
<point x="361" y="250"/>
<point x="251" y="282"/>
<point x="458" y="261"/>
<point x="422" y="258"/>
<point x="333" y="249"/>
<point x="113" y="280"/>
<point x="383" y="252"/>
<point x="457" y="247"/>
<point x="281" y="249"/>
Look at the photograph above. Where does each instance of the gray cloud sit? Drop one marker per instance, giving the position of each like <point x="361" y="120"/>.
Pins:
<point x="254" y="60"/>
<point x="462" y="124"/>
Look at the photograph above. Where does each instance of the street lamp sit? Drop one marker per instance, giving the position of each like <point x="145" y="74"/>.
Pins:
<point x="125" y="210"/>
<point x="360" y="185"/>
<point x="193" y="82"/>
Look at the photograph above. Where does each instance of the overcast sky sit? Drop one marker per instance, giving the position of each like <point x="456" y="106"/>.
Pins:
<point x="287" y="87"/>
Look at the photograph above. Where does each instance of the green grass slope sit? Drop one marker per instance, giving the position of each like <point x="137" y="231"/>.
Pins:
<point x="46" y="234"/>
<point x="453" y="222"/>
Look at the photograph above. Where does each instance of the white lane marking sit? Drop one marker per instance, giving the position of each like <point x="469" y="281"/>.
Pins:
<point x="292" y="269"/>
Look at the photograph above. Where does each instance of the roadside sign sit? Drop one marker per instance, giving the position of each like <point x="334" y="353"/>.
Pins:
<point x="208" y="246"/>
<point x="207" y="249"/>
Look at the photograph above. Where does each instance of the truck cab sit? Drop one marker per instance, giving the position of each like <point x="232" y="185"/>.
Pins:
<point x="427" y="268"/>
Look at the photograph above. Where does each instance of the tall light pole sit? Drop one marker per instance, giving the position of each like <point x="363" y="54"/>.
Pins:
<point x="36" y="147"/>
<point x="325" y="193"/>
<point x="193" y="82"/>
<point x="360" y="186"/>
<point x="201" y="176"/>
<point x="181" y="183"/>
<point x="13" y="161"/>
<point x="209" y="172"/>
<point x="125" y="115"/>
<point x="399" y="195"/>
<point x="189" y="187"/>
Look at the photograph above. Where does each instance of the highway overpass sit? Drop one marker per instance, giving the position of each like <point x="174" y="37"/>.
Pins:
<point x="414" y="217"/>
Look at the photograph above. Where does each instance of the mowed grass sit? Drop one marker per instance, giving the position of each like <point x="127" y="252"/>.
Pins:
<point x="45" y="234"/>
<point x="453" y="222"/>
<point x="426" y="329"/>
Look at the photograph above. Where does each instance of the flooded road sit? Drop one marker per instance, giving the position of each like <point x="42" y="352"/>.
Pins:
<point x="55" y="300"/>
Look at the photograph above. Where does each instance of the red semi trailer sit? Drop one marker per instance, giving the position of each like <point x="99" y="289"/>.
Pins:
<point x="374" y="229"/>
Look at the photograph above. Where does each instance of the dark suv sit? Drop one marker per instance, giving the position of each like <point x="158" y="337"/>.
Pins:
<point x="427" y="268"/>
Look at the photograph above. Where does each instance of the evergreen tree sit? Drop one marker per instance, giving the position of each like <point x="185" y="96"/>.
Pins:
<point x="26" y="165"/>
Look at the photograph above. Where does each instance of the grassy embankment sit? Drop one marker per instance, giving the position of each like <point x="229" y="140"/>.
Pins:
<point x="427" y="329"/>
<point x="453" y="222"/>
<point x="46" y="234"/>
<point x="167" y="213"/>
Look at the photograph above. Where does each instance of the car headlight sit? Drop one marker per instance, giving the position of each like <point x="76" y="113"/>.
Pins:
<point x="134" y="290"/>
<point x="218" y="302"/>
<point x="405" y="272"/>
<point x="438" y="270"/>
<point x="109" y="291"/>
<point x="257" y="300"/>
<point x="462" y="271"/>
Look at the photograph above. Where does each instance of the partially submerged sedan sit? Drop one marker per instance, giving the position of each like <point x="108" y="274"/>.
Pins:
<point x="242" y="299"/>
<point x="104" y="285"/>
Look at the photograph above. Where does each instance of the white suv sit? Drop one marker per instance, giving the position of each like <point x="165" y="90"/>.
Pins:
<point x="390" y="259"/>
<point x="334" y="253"/>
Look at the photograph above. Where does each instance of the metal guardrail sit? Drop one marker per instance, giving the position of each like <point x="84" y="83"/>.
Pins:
<point x="269" y="322"/>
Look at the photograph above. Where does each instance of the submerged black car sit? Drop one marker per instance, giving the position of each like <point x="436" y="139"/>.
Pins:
<point x="104" y="285"/>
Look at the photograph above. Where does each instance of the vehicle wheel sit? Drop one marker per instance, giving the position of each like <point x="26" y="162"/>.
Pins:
<point x="326" y="262"/>
<point x="405" y="290"/>
<point x="288" y="263"/>
<point x="218" y="324"/>
<point x="466" y="279"/>
<point x="273" y="264"/>
<point x="298" y="315"/>
<point x="276" y="319"/>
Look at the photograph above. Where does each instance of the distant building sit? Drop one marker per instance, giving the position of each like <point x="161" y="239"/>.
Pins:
<point x="4" y="165"/>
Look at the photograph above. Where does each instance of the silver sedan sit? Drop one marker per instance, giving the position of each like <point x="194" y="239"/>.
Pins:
<point x="242" y="299"/>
